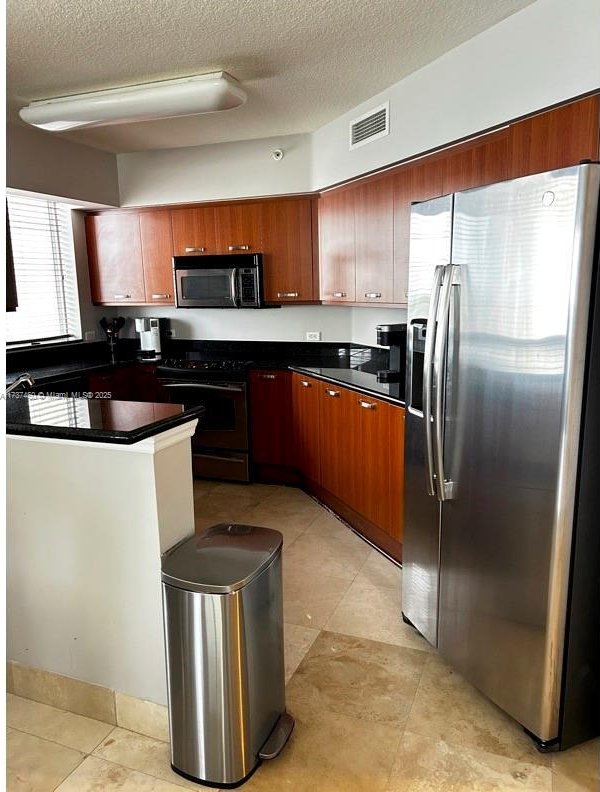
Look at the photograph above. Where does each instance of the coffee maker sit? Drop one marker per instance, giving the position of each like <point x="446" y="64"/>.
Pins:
<point x="394" y="337"/>
<point x="151" y="332"/>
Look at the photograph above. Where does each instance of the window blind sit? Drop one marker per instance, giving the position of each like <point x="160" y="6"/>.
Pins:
<point x="42" y="243"/>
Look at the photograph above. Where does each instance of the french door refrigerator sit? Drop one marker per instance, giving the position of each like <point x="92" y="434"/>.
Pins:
<point x="502" y="488"/>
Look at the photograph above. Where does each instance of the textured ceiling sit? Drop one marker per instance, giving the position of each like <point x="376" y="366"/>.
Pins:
<point x="302" y="62"/>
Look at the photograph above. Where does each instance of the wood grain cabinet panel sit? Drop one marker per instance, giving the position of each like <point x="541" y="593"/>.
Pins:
<point x="239" y="228"/>
<point x="413" y="182"/>
<point x="395" y="525"/>
<point x="555" y="139"/>
<point x="335" y="411"/>
<point x="306" y="450"/>
<point x="374" y="229"/>
<point x="476" y="163"/>
<point x="337" y="252"/>
<point x="157" y="256"/>
<point x="115" y="258"/>
<point x="270" y="412"/>
<point x="194" y="230"/>
<point x="288" y="251"/>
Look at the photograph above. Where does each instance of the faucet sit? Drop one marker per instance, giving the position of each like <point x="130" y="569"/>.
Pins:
<point x="22" y="380"/>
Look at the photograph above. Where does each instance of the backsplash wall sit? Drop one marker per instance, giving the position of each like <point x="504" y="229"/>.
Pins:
<point x="290" y="323"/>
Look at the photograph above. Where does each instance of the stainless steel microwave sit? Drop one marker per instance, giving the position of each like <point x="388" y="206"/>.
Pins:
<point x="219" y="281"/>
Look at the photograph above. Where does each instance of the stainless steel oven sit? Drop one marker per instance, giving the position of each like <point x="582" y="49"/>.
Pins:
<point x="225" y="281"/>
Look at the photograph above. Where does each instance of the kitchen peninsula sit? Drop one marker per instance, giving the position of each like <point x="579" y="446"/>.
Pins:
<point x="97" y="490"/>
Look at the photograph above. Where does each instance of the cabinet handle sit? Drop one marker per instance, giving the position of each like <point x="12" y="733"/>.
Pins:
<point x="268" y="376"/>
<point x="367" y="405"/>
<point x="305" y="384"/>
<point x="373" y="295"/>
<point x="161" y="296"/>
<point x="238" y="247"/>
<point x="195" y="250"/>
<point x="288" y="294"/>
<point x="122" y="296"/>
<point x="331" y="393"/>
<point x="339" y="294"/>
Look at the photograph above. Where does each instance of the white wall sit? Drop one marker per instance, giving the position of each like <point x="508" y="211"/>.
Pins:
<point x="39" y="162"/>
<point x="83" y="583"/>
<point x="205" y="173"/>
<point x="546" y="53"/>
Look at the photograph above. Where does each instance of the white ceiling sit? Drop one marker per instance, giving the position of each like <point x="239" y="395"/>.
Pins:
<point x="302" y="62"/>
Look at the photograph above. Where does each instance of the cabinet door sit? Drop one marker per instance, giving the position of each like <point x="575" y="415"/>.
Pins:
<point x="239" y="228"/>
<point x="288" y="251"/>
<point x="395" y="526"/>
<point x="115" y="258"/>
<point x="157" y="256"/>
<point x="374" y="220"/>
<point x="337" y="246"/>
<point x="336" y="440"/>
<point x="270" y="411"/>
<point x="555" y="139"/>
<point x="370" y="429"/>
<point x="194" y="230"/>
<point x="306" y="447"/>
<point x="476" y="163"/>
<point x="417" y="182"/>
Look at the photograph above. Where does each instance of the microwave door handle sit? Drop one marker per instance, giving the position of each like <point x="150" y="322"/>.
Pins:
<point x="444" y="487"/>
<point x="427" y="375"/>
<point x="234" y="286"/>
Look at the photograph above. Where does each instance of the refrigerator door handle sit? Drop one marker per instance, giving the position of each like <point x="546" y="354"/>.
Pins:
<point x="444" y="488"/>
<point x="427" y="375"/>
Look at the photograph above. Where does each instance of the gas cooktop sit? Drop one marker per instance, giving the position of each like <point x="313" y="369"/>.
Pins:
<point x="181" y="364"/>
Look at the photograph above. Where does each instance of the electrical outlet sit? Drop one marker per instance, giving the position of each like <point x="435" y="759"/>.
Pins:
<point x="313" y="335"/>
<point x="90" y="335"/>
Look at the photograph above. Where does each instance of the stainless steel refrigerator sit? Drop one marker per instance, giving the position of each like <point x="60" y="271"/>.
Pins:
<point x="502" y="489"/>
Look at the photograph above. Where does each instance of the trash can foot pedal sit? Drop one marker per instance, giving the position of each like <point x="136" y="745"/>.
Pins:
<point x="278" y="737"/>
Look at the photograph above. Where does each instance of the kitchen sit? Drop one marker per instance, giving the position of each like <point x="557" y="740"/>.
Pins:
<point x="303" y="400"/>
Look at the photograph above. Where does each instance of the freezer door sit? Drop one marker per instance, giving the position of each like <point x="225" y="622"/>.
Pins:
<point x="517" y="344"/>
<point x="430" y="242"/>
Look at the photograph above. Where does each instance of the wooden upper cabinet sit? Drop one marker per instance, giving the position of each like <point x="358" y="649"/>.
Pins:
<point x="374" y="230"/>
<point x="476" y="163"/>
<point x="239" y="228"/>
<point x="413" y="182"/>
<point x="157" y="254"/>
<point x="555" y="139"/>
<point x="194" y="230"/>
<point x="115" y="258"/>
<point x="288" y="250"/>
<point x="306" y="447"/>
<point x="337" y="245"/>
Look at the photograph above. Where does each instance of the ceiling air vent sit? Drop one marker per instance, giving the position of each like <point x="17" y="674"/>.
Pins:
<point x="370" y="126"/>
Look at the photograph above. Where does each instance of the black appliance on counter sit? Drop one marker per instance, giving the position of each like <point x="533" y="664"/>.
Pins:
<point x="394" y="337"/>
<point x="219" y="281"/>
<point x="220" y="445"/>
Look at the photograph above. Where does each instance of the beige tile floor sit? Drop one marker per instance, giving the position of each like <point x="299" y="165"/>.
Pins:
<point x="376" y="709"/>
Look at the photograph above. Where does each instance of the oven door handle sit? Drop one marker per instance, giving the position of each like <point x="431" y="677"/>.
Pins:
<point x="205" y="386"/>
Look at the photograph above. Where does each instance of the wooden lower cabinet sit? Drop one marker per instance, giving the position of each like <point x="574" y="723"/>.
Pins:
<point x="306" y="449"/>
<point x="271" y="426"/>
<point x="335" y="429"/>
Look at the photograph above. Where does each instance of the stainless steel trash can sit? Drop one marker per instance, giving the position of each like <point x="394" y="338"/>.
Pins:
<point x="223" y="617"/>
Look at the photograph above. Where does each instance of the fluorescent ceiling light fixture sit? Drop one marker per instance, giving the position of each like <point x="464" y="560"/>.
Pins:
<point x="205" y="93"/>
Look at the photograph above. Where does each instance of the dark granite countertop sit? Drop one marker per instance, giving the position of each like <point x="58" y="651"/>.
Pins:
<point x="98" y="420"/>
<point x="44" y="374"/>
<point x="359" y="381"/>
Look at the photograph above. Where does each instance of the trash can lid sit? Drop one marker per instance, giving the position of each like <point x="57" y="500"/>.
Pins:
<point x="221" y="559"/>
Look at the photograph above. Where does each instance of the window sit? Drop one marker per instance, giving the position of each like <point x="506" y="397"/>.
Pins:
<point x="42" y="244"/>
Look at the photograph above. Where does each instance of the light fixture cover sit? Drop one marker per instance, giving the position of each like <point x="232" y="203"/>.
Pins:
<point x="205" y="93"/>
